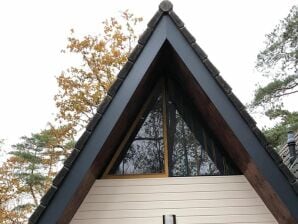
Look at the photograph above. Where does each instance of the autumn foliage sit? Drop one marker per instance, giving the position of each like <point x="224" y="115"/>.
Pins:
<point x="82" y="88"/>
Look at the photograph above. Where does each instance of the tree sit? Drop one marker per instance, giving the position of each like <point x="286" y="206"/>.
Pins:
<point x="82" y="88"/>
<point x="278" y="62"/>
<point x="8" y="196"/>
<point x="28" y="172"/>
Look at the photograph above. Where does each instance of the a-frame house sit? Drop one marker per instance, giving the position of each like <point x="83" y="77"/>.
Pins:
<point x="171" y="138"/>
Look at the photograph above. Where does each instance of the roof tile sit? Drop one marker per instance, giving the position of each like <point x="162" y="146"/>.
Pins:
<point x="261" y="137"/>
<point x="224" y="85"/>
<point x="145" y="36"/>
<point x="104" y="104"/>
<point x="71" y="158"/>
<point x="93" y="122"/>
<point x="237" y="103"/>
<point x="115" y="86"/>
<point x="202" y="55"/>
<point x="155" y="19"/>
<point x="82" y="140"/>
<point x="273" y="154"/>
<point x="125" y="69"/>
<point x="211" y="68"/>
<point x="48" y="196"/>
<point x="188" y="36"/>
<point x="36" y="214"/>
<point x="250" y="121"/>
<point x="60" y="176"/>
<point x="135" y="53"/>
<point x="179" y="23"/>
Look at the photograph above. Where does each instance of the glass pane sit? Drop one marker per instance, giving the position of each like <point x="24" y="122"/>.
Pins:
<point x="145" y="155"/>
<point x="188" y="157"/>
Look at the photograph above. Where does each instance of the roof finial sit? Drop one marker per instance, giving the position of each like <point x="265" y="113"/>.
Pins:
<point x="165" y="6"/>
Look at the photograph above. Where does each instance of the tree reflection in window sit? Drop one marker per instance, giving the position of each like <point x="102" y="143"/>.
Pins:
<point x="145" y="155"/>
<point x="188" y="157"/>
<point x="192" y="149"/>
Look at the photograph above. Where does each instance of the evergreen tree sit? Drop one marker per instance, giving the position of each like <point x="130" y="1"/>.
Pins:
<point x="278" y="62"/>
<point x="28" y="172"/>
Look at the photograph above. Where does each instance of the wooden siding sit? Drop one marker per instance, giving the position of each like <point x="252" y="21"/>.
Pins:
<point x="223" y="199"/>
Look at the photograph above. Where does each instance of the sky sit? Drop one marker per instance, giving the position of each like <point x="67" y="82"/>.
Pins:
<point x="33" y="33"/>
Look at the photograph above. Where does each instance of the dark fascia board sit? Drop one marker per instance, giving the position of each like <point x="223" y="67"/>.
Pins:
<point x="164" y="26"/>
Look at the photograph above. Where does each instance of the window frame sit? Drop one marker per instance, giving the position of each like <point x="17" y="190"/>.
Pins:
<point x="161" y="88"/>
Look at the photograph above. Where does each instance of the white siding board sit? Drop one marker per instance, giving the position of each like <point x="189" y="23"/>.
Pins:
<point x="171" y="204"/>
<point x="169" y="181"/>
<point x="225" y="199"/>
<point x="196" y="187"/>
<point x="227" y="219"/>
<point x="133" y="213"/>
<point x="171" y="196"/>
<point x="157" y="221"/>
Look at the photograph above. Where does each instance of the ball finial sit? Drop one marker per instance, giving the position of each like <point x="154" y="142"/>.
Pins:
<point x="165" y="6"/>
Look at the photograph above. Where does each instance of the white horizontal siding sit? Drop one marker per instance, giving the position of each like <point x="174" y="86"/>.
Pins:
<point x="225" y="199"/>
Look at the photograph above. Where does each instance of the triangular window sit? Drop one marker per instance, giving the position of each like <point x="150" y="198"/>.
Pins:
<point x="168" y="138"/>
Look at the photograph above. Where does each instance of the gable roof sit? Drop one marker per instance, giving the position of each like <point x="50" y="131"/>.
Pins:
<point x="166" y="40"/>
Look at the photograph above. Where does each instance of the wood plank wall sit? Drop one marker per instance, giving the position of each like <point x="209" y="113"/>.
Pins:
<point x="221" y="199"/>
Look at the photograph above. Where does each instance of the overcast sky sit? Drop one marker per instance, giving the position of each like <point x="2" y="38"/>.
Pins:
<point x="33" y="32"/>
